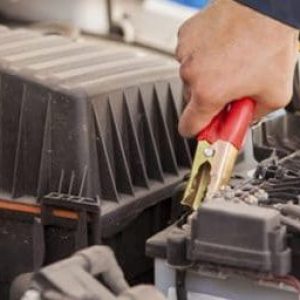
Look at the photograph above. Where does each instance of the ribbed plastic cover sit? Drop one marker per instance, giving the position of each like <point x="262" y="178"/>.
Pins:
<point x="88" y="119"/>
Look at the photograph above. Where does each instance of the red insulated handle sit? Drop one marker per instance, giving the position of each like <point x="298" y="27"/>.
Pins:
<point x="231" y="124"/>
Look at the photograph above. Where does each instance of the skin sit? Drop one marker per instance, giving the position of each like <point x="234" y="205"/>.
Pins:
<point x="229" y="51"/>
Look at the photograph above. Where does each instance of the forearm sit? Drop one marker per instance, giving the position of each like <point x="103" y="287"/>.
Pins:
<point x="286" y="11"/>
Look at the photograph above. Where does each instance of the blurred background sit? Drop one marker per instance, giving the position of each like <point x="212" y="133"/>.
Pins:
<point x="133" y="21"/>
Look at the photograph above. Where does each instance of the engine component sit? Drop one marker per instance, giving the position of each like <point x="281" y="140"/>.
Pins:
<point x="251" y="225"/>
<point x="218" y="147"/>
<point x="219" y="283"/>
<point x="74" y="278"/>
<point x="234" y="234"/>
<point x="240" y="235"/>
<point x="84" y="125"/>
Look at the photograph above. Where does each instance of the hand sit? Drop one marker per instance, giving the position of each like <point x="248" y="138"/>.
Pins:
<point x="229" y="51"/>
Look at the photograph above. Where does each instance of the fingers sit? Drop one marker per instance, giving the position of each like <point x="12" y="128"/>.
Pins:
<point x="201" y="106"/>
<point x="196" y="117"/>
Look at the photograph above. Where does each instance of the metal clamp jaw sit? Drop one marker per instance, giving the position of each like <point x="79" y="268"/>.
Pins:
<point x="217" y="151"/>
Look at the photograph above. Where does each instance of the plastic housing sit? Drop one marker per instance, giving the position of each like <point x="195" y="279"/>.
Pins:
<point x="80" y="121"/>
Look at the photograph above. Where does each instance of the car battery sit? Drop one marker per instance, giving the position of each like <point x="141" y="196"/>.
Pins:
<point x="244" y="242"/>
<point x="225" y="251"/>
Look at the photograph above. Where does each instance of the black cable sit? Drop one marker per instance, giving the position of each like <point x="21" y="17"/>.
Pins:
<point x="181" y="291"/>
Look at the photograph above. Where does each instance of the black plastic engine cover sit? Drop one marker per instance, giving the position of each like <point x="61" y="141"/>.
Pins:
<point x="81" y="120"/>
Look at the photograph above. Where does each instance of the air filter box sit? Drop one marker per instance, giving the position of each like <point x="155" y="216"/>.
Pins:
<point x="85" y="127"/>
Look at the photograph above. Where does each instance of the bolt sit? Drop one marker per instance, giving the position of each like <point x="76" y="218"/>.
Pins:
<point x="209" y="152"/>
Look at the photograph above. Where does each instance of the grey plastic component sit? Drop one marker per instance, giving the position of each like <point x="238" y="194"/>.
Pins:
<point x="75" y="278"/>
<point x="240" y="235"/>
<point x="86" y="119"/>
<point x="278" y="133"/>
<point x="89" y="119"/>
<point x="229" y="234"/>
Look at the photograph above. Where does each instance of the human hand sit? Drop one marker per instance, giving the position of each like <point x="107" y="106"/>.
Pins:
<point x="229" y="51"/>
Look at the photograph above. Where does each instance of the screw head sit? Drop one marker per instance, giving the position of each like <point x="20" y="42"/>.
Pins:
<point x="209" y="152"/>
